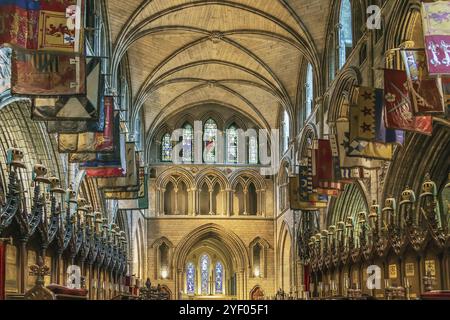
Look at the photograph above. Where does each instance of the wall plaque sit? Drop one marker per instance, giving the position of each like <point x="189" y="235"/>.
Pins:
<point x="392" y="271"/>
<point x="430" y="266"/>
<point x="409" y="268"/>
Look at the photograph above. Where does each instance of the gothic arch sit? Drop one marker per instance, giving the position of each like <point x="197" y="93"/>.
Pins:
<point x="231" y="243"/>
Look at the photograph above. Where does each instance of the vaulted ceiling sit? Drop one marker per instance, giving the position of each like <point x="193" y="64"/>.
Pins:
<point x="243" y="53"/>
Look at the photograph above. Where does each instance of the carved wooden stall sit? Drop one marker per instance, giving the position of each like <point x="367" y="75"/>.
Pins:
<point x="409" y="242"/>
<point x="59" y="230"/>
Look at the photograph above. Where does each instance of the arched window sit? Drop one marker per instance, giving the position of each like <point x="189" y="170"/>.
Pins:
<point x="164" y="261"/>
<point x="345" y="32"/>
<point x="166" y="148"/>
<point x="285" y="129"/>
<point x="188" y="137"/>
<point x="309" y="90"/>
<point x="210" y="139"/>
<point x="232" y="144"/>
<point x="257" y="260"/>
<point x="190" y="278"/>
<point x="219" y="278"/>
<point x="204" y="271"/>
<point x="253" y="150"/>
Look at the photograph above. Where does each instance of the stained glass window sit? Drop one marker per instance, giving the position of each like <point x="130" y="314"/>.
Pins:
<point x="210" y="139"/>
<point x="188" y="136"/>
<point x="204" y="269"/>
<point x="232" y="144"/>
<point x="219" y="278"/>
<point x="166" y="148"/>
<point x="345" y="32"/>
<point x="253" y="150"/>
<point x="190" y="278"/>
<point x="309" y="88"/>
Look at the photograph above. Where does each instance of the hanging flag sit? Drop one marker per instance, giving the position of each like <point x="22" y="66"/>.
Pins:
<point x="61" y="26"/>
<point x="19" y="21"/>
<point x="304" y="189"/>
<point x="85" y="107"/>
<point x="93" y="142"/>
<point x="128" y="193"/>
<point x="5" y="69"/>
<point x="362" y="115"/>
<point x="398" y="108"/>
<point x="436" y="29"/>
<point x="80" y="126"/>
<point x="141" y="202"/>
<point x="107" y="165"/>
<point x="323" y="160"/>
<point x="43" y="74"/>
<point x="131" y="171"/>
<point x="383" y="134"/>
<point x="357" y="159"/>
<point x="367" y="122"/>
<point x="426" y="93"/>
<point x="50" y="25"/>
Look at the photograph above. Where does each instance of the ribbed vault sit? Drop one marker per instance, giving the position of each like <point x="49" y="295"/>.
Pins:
<point x="246" y="53"/>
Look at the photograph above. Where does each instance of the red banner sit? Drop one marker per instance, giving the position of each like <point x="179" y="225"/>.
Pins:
<point x="399" y="112"/>
<point x="52" y="25"/>
<point x="426" y="92"/>
<point x="324" y="160"/>
<point x="39" y="73"/>
<point x="19" y="21"/>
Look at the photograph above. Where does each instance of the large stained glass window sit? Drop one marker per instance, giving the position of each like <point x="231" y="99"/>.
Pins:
<point x="219" y="278"/>
<point x="309" y="89"/>
<point x="190" y="278"/>
<point x="204" y="269"/>
<point x="253" y="150"/>
<point x="210" y="139"/>
<point x="232" y="144"/>
<point x="345" y="32"/>
<point x="188" y="136"/>
<point x="166" y="148"/>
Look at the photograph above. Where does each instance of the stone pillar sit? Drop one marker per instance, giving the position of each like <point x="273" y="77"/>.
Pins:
<point x="176" y="201"/>
<point x="229" y="202"/>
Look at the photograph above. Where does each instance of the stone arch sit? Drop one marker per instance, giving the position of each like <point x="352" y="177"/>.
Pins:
<point x="213" y="175"/>
<point x="231" y="243"/>
<point x="348" y="78"/>
<point x="163" y="271"/>
<point x="285" y="252"/>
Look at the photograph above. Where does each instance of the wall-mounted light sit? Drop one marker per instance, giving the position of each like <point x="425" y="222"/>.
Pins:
<point x="164" y="273"/>
<point x="256" y="272"/>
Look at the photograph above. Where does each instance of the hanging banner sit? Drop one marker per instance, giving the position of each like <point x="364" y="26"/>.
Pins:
<point x="19" y="22"/>
<point x="399" y="112"/>
<point x="37" y="73"/>
<point x="323" y="160"/>
<point x="61" y="26"/>
<point x="131" y="176"/>
<point x="137" y="204"/>
<point x="84" y="107"/>
<point x="367" y="122"/>
<point x="93" y="142"/>
<point x="426" y="93"/>
<point x="351" y="156"/>
<point x="106" y="165"/>
<point x="436" y="29"/>
<point x="128" y="193"/>
<point x="80" y="126"/>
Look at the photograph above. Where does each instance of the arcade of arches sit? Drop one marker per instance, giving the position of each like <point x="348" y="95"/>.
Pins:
<point x="226" y="103"/>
